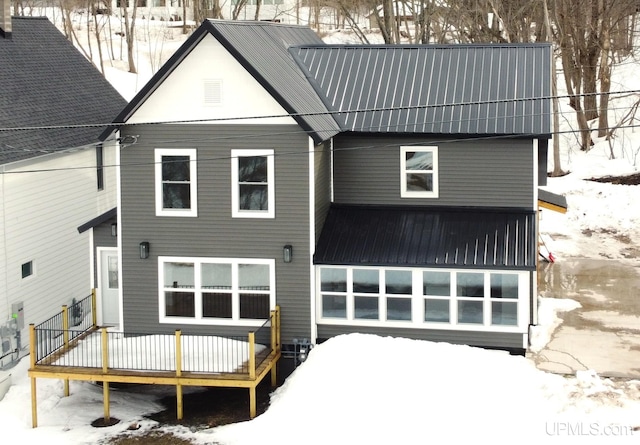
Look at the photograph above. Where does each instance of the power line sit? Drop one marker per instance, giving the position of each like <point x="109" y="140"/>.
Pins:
<point x="306" y="152"/>
<point x="324" y="113"/>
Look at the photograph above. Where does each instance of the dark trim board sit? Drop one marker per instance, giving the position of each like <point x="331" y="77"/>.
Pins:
<point x="493" y="340"/>
<point x="106" y="216"/>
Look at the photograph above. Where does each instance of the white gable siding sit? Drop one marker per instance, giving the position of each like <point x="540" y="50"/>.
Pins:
<point x="40" y="213"/>
<point x="181" y="97"/>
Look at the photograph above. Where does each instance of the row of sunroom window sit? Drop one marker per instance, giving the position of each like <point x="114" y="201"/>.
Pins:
<point x="443" y="297"/>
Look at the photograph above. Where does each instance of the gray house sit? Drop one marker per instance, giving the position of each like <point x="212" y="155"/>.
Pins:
<point x="381" y="189"/>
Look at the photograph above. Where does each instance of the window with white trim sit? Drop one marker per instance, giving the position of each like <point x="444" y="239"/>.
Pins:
<point x="252" y="178"/>
<point x="419" y="172"/>
<point x="176" y="182"/>
<point x="27" y="269"/>
<point x="216" y="290"/>
<point x="421" y="297"/>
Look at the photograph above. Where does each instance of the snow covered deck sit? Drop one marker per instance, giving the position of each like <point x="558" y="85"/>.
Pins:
<point x="100" y="355"/>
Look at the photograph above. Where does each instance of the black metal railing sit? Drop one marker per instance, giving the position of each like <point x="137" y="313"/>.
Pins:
<point x="106" y="349"/>
<point x="70" y="323"/>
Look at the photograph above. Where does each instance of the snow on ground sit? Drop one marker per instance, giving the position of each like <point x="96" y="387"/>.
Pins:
<point x="375" y="390"/>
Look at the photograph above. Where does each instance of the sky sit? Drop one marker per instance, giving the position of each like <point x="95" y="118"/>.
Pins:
<point x="380" y="390"/>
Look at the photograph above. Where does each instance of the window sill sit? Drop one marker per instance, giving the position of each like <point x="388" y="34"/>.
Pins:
<point x="211" y="321"/>
<point x="424" y="325"/>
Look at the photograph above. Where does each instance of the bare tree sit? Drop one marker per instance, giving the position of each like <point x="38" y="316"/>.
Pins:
<point x="130" y="29"/>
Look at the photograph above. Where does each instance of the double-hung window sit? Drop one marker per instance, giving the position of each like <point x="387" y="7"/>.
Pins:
<point x="176" y="182"/>
<point x="216" y="290"/>
<point x="253" y="189"/>
<point x="419" y="172"/>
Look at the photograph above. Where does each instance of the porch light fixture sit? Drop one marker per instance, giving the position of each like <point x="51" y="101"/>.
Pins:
<point x="114" y="229"/>
<point x="287" y="253"/>
<point x="144" y="250"/>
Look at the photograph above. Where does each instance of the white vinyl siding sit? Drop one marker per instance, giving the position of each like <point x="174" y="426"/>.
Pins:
<point x="42" y="212"/>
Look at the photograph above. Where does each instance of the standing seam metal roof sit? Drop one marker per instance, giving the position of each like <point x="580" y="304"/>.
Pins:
<point x="438" y="89"/>
<point x="428" y="237"/>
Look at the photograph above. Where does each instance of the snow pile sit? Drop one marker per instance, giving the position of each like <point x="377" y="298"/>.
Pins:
<point x="548" y="320"/>
<point x="367" y="389"/>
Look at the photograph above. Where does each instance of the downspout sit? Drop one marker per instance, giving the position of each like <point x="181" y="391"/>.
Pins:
<point x="534" y="275"/>
<point x="313" y="331"/>
<point x="119" y="229"/>
<point x="4" y="241"/>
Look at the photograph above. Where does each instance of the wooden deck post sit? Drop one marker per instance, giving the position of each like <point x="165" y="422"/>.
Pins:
<point x="32" y="364"/>
<point x="94" y="313"/>
<point x="179" y="409"/>
<point x="105" y="396"/>
<point x="105" y="369"/>
<point x="252" y="355"/>
<point x="65" y="339"/>
<point x="252" y="402"/>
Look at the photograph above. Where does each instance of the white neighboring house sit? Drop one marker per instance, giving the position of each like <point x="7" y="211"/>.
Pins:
<point x="55" y="175"/>
<point x="281" y="11"/>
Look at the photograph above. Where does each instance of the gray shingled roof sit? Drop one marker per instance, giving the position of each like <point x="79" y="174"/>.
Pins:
<point x="262" y="48"/>
<point x="45" y="81"/>
<point x="428" y="237"/>
<point x="421" y="88"/>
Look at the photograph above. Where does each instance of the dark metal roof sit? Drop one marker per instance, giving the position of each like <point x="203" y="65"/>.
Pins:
<point x="552" y="198"/>
<point x="45" y="81"/>
<point x="440" y="89"/>
<point x="106" y="216"/>
<point x="262" y="48"/>
<point x="428" y="237"/>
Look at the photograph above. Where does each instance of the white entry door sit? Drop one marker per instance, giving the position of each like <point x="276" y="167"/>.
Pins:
<point x="109" y="306"/>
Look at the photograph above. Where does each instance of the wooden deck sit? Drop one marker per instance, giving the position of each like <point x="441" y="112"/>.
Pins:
<point x="235" y="363"/>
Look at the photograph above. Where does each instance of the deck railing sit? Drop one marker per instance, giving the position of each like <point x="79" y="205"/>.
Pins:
<point x="73" y="321"/>
<point x="142" y="352"/>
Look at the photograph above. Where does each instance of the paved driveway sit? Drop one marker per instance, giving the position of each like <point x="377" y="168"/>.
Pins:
<point x="603" y="334"/>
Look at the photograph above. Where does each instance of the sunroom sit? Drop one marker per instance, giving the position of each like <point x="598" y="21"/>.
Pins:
<point x="419" y="269"/>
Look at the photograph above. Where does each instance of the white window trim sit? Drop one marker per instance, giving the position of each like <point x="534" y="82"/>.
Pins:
<point x="193" y="183"/>
<point x="404" y="193"/>
<point x="417" y="303"/>
<point x="235" y="189"/>
<point x="199" y="319"/>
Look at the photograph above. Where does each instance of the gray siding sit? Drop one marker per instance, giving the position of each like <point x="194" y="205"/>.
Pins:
<point x="322" y="165"/>
<point x="484" y="173"/>
<point x="214" y="233"/>
<point x="473" y="338"/>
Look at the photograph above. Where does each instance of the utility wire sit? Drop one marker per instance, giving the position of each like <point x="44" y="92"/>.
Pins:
<point x="324" y="113"/>
<point x="306" y="152"/>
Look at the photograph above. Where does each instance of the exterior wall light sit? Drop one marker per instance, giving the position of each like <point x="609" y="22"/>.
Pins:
<point x="287" y="253"/>
<point x="114" y="229"/>
<point x="144" y="250"/>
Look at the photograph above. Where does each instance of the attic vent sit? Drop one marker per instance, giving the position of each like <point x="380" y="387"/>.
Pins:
<point x="212" y="91"/>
